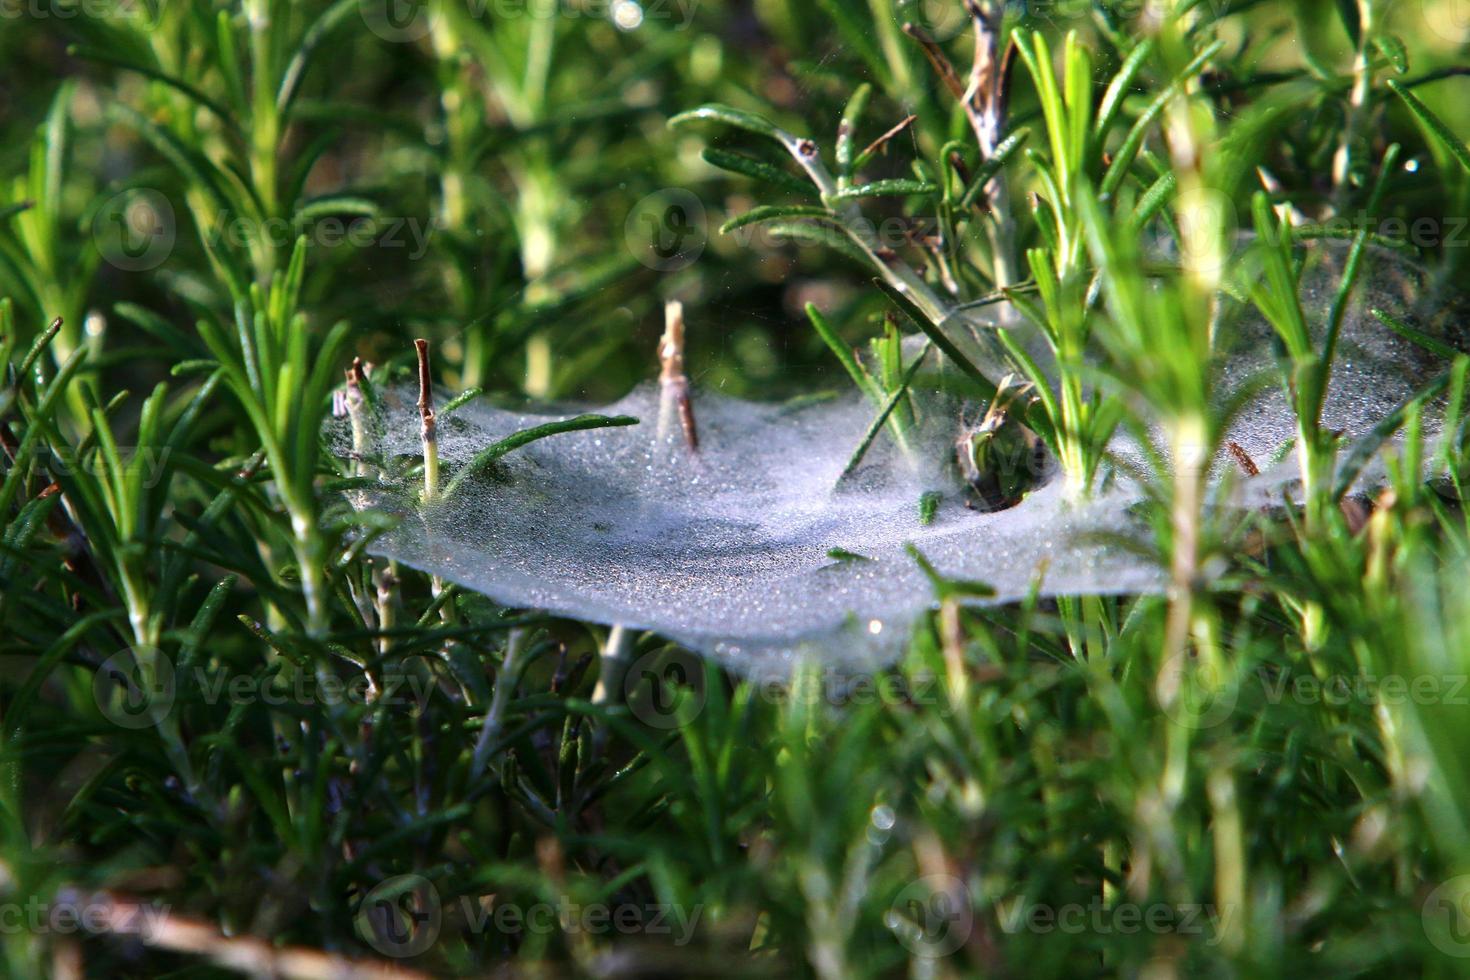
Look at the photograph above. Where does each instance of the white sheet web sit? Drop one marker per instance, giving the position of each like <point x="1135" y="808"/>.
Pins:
<point x="731" y="552"/>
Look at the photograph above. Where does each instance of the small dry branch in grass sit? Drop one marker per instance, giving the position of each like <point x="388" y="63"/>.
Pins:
<point x="118" y="915"/>
<point x="675" y="399"/>
<point x="427" y="432"/>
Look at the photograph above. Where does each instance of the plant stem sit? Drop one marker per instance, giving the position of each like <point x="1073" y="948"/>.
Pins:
<point x="673" y="383"/>
<point x="505" y="683"/>
<point x="428" y="429"/>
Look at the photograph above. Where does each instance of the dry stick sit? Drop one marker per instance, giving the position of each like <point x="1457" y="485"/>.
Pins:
<point x="1243" y="460"/>
<point x="428" y="432"/>
<point x="162" y="929"/>
<point x="877" y="146"/>
<point x="430" y="436"/>
<point x="384" y="580"/>
<point x="505" y="682"/>
<point x="985" y="100"/>
<point x="938" y="60"/>
<point x="355" y="403"/>
<point x="674" y="397"/>
<point x="614" y="666"/>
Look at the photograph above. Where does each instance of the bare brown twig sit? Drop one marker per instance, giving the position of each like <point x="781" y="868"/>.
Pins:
<point x="878" y="144"/>
<point x="161" y="929"/>
<point x="428" y="431"/>
<point x="671" y="378"/>
<point x="937" y="59"/>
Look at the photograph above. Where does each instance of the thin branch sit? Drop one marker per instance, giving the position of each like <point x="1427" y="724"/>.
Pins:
<point x="160" y="928"/>
<point x="881" y="142"/>
<point x="505" y="684"/>
<point x="674" y="383"/>
<point x="937" y="59"/>
<point x="428" y="431"/>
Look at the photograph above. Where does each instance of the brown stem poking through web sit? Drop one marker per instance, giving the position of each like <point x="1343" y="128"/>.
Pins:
<point x="878" y="145"/>
<point x="354" y="403"/>
<point x="671" y="378"/>
<point x="428" y="431"/>
<point x="985" y="101"/>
